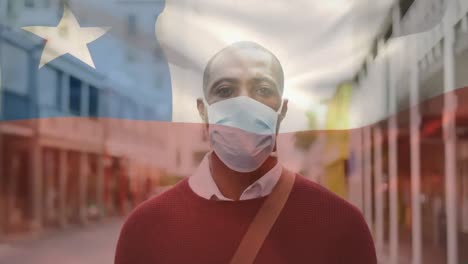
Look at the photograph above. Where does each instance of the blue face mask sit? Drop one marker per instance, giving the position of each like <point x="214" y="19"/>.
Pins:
<point x="242" y="132"/>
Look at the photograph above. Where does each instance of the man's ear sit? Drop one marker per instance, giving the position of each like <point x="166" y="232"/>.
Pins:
<point x="202" y="110"/>
<point x="281" y="116"/>
<point x="284" y="110"/>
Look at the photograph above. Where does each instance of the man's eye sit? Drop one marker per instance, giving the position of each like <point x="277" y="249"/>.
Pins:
<point x="264" y="91"/>
<point x="224" y="91"/>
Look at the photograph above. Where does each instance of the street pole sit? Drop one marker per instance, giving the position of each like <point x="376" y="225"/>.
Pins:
<point x="415" y="120"/>
<point x="3" y="213"/>
<point x="449" y="115"/>
<point x="393" y="143"/>
<point x="368" y="176"/>
<point x="368" y="158"/>
<point x="378" y="190"/>
<point x="380" y="80"/>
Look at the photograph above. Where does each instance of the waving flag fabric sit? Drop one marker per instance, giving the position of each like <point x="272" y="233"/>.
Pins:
<point x="319" y="45"/>
<point x="123" y="61"/>
<point x="98" y="102"/>
<point x="115" y="65"/>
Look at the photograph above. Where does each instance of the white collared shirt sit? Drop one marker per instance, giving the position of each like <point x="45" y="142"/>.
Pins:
<point x="202" y="183"/>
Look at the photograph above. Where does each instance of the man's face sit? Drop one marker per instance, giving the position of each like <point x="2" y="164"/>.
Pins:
<point x="244" y="72"/>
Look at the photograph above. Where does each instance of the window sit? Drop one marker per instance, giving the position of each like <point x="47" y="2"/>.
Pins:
<point x="121" y="107"/>
<point x="149" y="113"/>
<point x="126" y="108"/>
<point x="135" y="111"/>
<point x="93" y="101"/>
<point x="75" y="96"/>
<point x="49" y="91"/>
<point x="158" y="80"/>
<point x="132" y="25"/>
<point x="10" y="7"/>
<point x="104" y="103"/>
<point x="14" y="63"/>
<point x="132" y="29"/>
<point x="131" y="109"/>
<point x="29" y="3"/>
<point x="114" y="105"/>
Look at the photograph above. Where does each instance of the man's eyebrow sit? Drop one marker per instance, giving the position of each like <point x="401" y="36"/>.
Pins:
<point x="265" y="79"/>
<point x="217" y="82"/>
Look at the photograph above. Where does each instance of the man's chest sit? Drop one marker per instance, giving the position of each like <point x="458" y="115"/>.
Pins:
<point x="200" y="242"/>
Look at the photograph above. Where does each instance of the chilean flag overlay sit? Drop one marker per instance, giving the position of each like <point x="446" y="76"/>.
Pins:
<point x="94" y="129"/>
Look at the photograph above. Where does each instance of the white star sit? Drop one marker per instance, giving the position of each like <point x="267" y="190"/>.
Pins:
<point x="68" y="37"/>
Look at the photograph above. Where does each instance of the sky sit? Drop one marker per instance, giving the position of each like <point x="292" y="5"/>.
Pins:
<point x="319" y="43"/>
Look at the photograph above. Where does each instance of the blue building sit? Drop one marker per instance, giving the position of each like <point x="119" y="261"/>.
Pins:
<point x="74" y="141"/>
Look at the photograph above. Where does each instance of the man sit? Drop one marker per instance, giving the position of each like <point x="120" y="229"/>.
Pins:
<point x="204" y="219"/>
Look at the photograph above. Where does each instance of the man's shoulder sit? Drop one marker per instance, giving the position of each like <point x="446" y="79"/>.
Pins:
<point x="140" y="233"/>
<point x="318" y="196"/>
<point x="159" y="206"/>
<point x="335" y="214"/>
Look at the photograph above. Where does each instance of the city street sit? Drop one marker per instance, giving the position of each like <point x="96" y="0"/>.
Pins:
<point x="92" y="244"/>
<point x="434" y="256"/>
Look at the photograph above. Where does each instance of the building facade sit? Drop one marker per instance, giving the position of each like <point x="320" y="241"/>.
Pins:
<point x="412" y="184"/>
<point x="78" y="144"/>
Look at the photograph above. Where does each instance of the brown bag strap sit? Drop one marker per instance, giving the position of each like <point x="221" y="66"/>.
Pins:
<point x="264" y="220"/>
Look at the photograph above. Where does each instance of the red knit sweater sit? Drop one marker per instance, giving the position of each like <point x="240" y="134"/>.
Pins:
<point x="178" y="226"/>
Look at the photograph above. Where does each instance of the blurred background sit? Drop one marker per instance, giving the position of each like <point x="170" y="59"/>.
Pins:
<point x="80" y="148"/>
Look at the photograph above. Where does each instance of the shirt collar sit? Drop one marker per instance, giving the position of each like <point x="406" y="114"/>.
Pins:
<point x="202" y="183"/>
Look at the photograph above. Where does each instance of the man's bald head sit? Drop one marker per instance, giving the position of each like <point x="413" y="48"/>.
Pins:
<point x="244" y="69"/>
<point x="245" y="53"/>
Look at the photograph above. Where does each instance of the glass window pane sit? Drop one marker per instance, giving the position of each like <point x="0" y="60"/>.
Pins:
<point x="75" y="96"/>
<point x="49" y="80"/>
<point x="114" y="105"/>
<point x="14" y="62"/>
<point x="93" y="101"/>
<point x="103" y="103"/>
<point x="29" y="3"/>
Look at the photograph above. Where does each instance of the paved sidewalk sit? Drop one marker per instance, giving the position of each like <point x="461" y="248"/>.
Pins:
<point x="91" y="244"/>
<point x="430" y="256"/>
